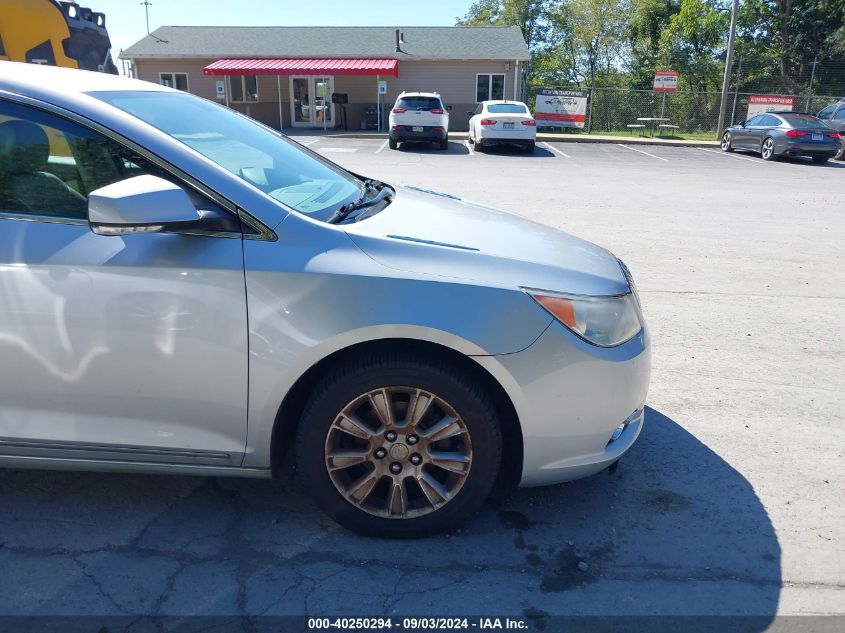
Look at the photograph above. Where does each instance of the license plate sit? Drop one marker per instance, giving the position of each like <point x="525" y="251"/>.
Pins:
<point x="507" y="126"/>
<point x="818" y="137"/>
<point x="416" y="128"/>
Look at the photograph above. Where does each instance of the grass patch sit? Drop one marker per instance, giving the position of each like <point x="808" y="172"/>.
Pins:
<point x="681" y="136"/>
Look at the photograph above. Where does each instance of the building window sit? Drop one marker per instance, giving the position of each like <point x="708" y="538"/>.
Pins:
<point x="489" y="87"/>
<point x="243" y="88"/>
<point x="174" y="80"/>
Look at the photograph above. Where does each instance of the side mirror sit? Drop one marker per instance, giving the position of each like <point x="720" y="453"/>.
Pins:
<point x="743" y="124"/>
<point x="448" y="108"/>
<point x="470" y="113"/>
<point x="144" y="204"/>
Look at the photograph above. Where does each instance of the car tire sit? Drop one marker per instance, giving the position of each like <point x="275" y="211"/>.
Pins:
<point x="767" y="150"/>
<point x="421" y="499"/>
<point x="840" y="153"/>
<point x="529" y="149"/>
<point x="820" y="160"/>
<point x="726" y="142"/>
<point x="444" y="143"/>
<point x="393" y="143"/>
<point x="480" y="146"/>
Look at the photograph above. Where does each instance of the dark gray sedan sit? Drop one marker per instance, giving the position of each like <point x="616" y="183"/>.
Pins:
<point x="777" y="134"/>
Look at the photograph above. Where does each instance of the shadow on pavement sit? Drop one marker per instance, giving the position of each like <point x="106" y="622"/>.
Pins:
<point x="456" y="148"/>
<point x="674" y="531"/>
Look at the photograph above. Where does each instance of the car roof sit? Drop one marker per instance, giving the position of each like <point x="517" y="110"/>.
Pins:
<point x="68" y="87"/>
<point x="783" y="112"/>
<point x="419" y="94"/>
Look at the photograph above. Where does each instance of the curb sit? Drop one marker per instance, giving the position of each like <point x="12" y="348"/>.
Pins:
<point x="553" y="138"/>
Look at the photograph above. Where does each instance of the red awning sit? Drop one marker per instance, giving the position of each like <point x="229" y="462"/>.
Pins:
<point x="313" y="66"/>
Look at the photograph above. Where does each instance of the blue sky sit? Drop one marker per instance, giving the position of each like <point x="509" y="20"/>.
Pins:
<point x="125" y="18"/>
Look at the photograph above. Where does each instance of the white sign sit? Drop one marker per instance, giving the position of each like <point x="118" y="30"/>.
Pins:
<point x="768" y="103"/>
<point x="220" y="88"/>
<point x="665" y="81"/>
<point x="382" y="87"/>
<point x="561" y="108"/>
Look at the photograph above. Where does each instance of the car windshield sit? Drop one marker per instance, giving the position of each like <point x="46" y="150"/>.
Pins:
<point x="419" y="103"/>
<point x="507" y="108"/>
<point x="262" y="157"/>
<point x="803" y="120"/>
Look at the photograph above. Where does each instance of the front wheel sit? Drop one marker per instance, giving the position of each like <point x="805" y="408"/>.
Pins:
<point x="726" y="142"/>
<point x="768" y="149"/>
<point x="399" y="446"/>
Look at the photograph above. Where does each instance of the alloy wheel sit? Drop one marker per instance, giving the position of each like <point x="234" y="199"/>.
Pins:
<point x="726" y="142"/>
<point x="398" y="452"/>
<point x="768" y="149"/>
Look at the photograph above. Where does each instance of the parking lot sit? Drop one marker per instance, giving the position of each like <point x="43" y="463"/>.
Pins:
<point x="730" y="503"/>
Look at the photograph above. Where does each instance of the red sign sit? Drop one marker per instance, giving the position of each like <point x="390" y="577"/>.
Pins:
<point x="665" y="81"/>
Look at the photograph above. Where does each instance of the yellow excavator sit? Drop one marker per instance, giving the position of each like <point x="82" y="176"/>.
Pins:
<point x="56" y="33"/>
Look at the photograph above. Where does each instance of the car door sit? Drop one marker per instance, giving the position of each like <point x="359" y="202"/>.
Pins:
<point x="473" y="122"/>
<point x="837" y="121"/>
<point x="127" y="348"/>
<point x="765" y="127"/>
<point x="743" y="137"/>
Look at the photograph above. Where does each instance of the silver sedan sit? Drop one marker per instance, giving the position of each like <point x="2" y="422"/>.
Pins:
<point x="186" y="291"/>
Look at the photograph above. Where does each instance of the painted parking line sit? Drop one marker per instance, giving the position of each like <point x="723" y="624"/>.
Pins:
<point x="728" y="154"/>
<point x="555" y="149"/>
<point x="469" y="147"/>
<point x="337" y="150"/>
<point x="634" y="149"/>
<point x="307" y="143"/>
<point x="383" y="145"/>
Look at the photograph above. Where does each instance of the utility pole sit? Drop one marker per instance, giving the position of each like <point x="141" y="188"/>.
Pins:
<point x="729" y="59"/>
<point x="736" y="89"/>
<point x="147" y="4"/>
<point x="812" y="77"/>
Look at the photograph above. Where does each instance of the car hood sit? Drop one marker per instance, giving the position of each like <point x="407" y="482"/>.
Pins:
<point x="436" y="234"/>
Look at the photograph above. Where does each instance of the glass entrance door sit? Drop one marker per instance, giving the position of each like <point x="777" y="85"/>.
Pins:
<point x="311" y="101"/>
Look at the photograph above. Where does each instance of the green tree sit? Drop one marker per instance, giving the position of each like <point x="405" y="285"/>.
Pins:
<point x="649" y="19"/>
<point x="694" y="43"/>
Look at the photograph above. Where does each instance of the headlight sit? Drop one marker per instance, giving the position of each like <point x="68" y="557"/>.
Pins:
<point x="602" y="321"/>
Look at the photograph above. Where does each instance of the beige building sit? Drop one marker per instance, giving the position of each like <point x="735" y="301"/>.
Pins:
<point x="285" y="76"/>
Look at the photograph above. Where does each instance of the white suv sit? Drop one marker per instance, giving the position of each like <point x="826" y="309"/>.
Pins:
<point x="419" y="117"/>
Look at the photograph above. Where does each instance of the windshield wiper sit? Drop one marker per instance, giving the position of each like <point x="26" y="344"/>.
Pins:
<point x="371" y="187"/>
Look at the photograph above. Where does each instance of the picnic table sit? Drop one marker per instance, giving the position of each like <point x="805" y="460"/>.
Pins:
<point x="652" y="122"/>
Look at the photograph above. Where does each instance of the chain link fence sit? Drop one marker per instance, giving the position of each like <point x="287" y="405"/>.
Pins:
<point x="614" y="109"/>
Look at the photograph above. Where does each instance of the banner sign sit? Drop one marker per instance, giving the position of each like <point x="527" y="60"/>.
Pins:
<point x="665" y="81"/>
<point x="561" y="108"/>
<point x="768" y="103"/>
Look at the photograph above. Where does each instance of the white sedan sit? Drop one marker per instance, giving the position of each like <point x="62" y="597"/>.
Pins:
<point x="502" y="122"/>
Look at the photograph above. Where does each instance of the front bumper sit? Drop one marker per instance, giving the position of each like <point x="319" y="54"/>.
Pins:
<point x="570" y="397"/>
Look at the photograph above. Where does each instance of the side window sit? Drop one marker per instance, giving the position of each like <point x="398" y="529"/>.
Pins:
<point x="480" y="108"/>
<point x="754" y="120"/>
<point x="840" y="114"/>
<point x="825" y="114"/>
<point x="174" y="80"/>
<point x="770" y="121"/>
<point x="49" y="165"/>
